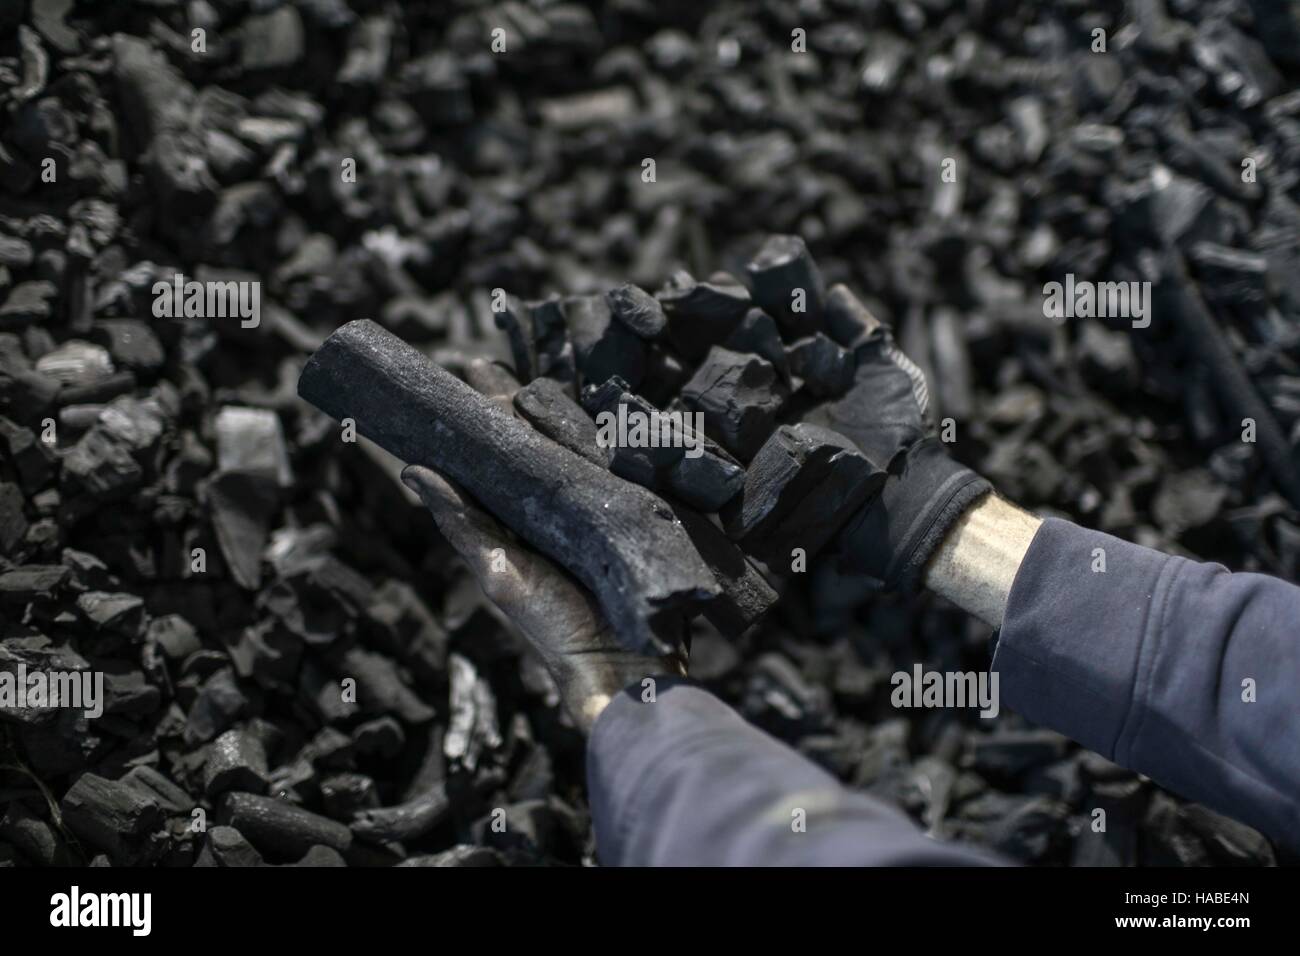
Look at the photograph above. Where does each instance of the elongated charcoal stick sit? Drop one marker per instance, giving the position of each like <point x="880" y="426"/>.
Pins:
<point x="617" y="538"/>
<point x="1208" y="343"/>
<point x="414" y="818"/>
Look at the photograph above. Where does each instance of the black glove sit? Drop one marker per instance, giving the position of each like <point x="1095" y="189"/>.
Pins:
<point x="886" y="414"/>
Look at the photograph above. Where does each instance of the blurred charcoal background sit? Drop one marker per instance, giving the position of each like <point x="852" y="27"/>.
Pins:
<point x="216" y="139"/>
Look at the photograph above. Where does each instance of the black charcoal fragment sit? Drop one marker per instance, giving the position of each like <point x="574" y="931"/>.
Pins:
<point x="382" y="737"/>
<point x="1010" y="754"/>
<point x="380" y="687"/>
<point x="345" y="794"/>
<point x="787" y="285"/>
<point x="111" y="816"/>
<point x="31" y="457"/>
<point x="250" y="441"/>
<point x="825" y="368"/>
<point x="739" y="395"/>
<point x="76" y="363"/>
<point x="848" y="321"/>
<point x="757" y="333"/>
<point x="539" y="340"/>
<point x="117" y="612"/>
<point x="228" y="847"/>
<point x="29" y="582"/>
<point x="174" y="635"/>
<point x="219" y="703"/>
<point x="1177" y="297"/>
<point x="278" y="829"/>
<point x="236" y="761"/>
<point x="416" y="817"/>
<point x="272" y="40"/>
<point x="155" y="786"/>
<point x="27" y="303"/>
<point x="746" y="596"/>
<point x="701" y="314"/>
<point x="706" y="481"/>
<point x="13" y="520"/>
<point x="319" y="856"/>
<point x="637" y="310"/>
<point x="643" y="441"/>
<point x="800" y="489"/>
<point x="38" y="841"/>
<point x="602" y="347"/>
<point x="463" y="854"/>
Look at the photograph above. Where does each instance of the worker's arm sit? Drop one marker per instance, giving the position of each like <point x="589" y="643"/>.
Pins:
<point x="1180" y="670"/>
<point x="685" y="780"/>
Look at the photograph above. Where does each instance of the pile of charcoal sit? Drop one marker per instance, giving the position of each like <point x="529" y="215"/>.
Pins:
<point x="297" y="669"/>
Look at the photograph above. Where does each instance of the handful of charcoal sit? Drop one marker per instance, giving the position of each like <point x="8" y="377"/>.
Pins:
<point x="661" y="447"/>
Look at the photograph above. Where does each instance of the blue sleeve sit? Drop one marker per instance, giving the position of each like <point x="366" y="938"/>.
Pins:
<point x="685" y="781"/>
<point x="1180" y="670"/>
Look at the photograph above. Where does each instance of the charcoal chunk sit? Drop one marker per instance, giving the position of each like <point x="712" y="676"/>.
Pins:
<point x="1010" y="754"/>
<point x="801" y="487"/>
<point x="419" y="815"/>
<point x="229" y="848"/>
<point x="740" y="397"/>
<point x="382" y="737"/>
<point x="279" y="829"/>
<point x="155" y="786"/>
<point x="463" y="854"/>
<point x="29" y="582"/>
<point x="321" y="856"/>
<point x="13" y="521"/>
<point x="701" y="314"/>
<point x="34" y="837"/>
<point x="746" y="596"/>
<point x="380" y="688"/>
<point x="1230" y="842"/>
<point x="250" y="441"/>
<point x="174" y="635"/>
<point x="273" y="40"/>
<point x="30" y="457"/>
<point x="111" y="816"/>
<point x="131" y="343"/>
<point x="655" y="441"/>
<point x="76" y="363"/>
<point x="848" y="321"/>
<point x="637" y="310"/>
<point x="757" y="333"/>
<point x="826" y="368"/>
<point x="346" y="794"/>
<point x="602" y="347"/>
<point x="236" y="761"/>
<point x="707" y="481"/>
<point x="101" y="468"/>
<point x="27" y="303"/>
<point x="219" y="703"/>
<point x="787" y="285"/>
<point x="539" y="340"/>
<point x="242" y="505"/>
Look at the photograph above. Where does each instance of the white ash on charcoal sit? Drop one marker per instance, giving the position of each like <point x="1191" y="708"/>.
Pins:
<point x="289" y="645"/>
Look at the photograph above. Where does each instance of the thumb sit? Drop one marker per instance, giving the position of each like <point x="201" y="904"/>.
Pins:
<point x="471" y="531"/>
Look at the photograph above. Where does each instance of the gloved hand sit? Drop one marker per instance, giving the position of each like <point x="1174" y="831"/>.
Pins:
<point x="886" y="414"/>
<point x="555" y="614"/>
